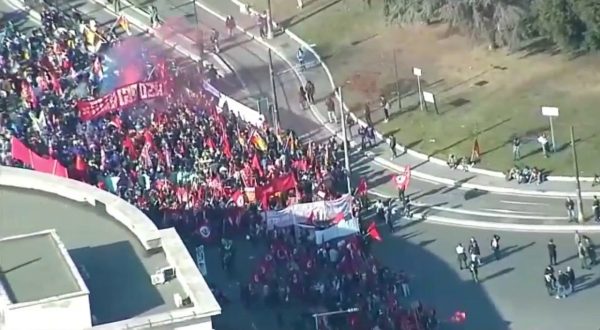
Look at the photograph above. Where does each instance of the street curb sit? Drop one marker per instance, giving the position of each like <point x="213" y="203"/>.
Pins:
<point x="380" y="136"/>
<point x="485" y="225"/>
<point x="381" y="160"/>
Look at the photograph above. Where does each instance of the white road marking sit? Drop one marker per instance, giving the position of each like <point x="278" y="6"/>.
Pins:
<point x="513" y="212"/>
<point x="523" y="203"/>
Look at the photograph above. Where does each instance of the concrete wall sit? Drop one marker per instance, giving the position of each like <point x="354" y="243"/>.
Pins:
<point x="62" y="314"/>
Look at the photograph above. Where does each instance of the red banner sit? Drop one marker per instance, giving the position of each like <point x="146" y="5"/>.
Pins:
<point x="119" y="98"/>
<point x="47" y="165"/>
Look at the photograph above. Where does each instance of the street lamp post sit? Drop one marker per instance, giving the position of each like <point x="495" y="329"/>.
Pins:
<point x="269" y="21"/>
<point x="274" y="92"/>
<point x="345" y="140"/>
<point x="341" y="311"/>
<point x="198" y="32"/>
<point x="397" y="83"/>
<point x="580" y="216"/>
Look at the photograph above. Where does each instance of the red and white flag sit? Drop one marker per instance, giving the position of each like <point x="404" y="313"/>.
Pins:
<point x="373" y="232"/>
<point x="403" y="179"/>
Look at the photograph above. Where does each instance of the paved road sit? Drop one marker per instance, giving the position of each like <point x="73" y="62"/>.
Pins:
<point x="511" y="294"/>
<point x="478" y="205"/>
<point x="250" y="61"/>
<point x="426" y="251"/>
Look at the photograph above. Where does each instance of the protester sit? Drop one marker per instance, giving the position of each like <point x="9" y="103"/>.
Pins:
<point x="189" y="164"/>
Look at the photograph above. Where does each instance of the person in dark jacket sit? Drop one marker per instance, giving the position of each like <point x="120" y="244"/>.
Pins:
<point x="552" y="252"/>
<point x="563" y="284"/>
<point x="571" y="274"/>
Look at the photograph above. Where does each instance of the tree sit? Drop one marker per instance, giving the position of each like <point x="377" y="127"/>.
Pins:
<point x="411" y="11"/>
<point x="558" y="20"/>
<point x="500" y="22"/>
<point x="588" y="12"/>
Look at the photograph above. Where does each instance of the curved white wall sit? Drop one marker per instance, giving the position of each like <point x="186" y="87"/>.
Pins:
<point x="128" y="215"/>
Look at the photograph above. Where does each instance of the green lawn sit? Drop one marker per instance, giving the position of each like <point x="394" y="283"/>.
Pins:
<point x="490" y="92"/>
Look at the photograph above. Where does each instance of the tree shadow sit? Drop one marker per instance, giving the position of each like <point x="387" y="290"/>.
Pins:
<point x="438" y="285"/>
<point x="291" y="21"/>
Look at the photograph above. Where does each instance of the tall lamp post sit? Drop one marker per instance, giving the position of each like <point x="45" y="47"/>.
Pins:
<point x="269" y="21"/>
<point x="275" y="114"/>
<point x="341" y="311"/>
<point x="580" y="216"/>
<point x="345" y="137"/>
<point x="397" y="83"/>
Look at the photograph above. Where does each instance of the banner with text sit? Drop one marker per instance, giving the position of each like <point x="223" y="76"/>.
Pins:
<point x="317" y="211"/>
<point x="119" y="98"/>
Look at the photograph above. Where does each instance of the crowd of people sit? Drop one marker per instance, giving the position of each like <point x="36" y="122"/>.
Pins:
<point x="188" y="163"/>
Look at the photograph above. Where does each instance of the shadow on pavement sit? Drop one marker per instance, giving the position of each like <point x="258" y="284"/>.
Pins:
<point x="436" y="283"/>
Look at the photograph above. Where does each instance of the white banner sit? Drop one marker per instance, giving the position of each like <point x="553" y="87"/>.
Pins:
<point x="342" y="229"/>
<point x="299" y="213"/>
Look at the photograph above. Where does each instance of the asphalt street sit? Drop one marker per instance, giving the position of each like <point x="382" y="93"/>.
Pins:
<point x="458" y="203"/>
<point x="508" y="286"/>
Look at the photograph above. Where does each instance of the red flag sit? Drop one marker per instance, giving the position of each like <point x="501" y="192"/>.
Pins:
<point x="56" y="84"/>
<point x="226" y="146"/>
<point x="338" y="218"/>
<point x="373" y="232"/>
<point x="80" y="164"/>
<point x="128" y="146"/>
<point x="211" y="144"/>
<point x="403" y="179"/>
<point x="256" y="165"/>
<point x="238" y="198"/>
<point x="362" y="188"/>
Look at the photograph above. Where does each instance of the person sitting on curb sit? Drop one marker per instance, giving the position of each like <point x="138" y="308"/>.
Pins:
<point x="452" y="162"/>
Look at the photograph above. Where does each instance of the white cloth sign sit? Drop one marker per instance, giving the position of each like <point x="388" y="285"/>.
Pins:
<point x="299" y="213"/>
<point x="201" y="260"/>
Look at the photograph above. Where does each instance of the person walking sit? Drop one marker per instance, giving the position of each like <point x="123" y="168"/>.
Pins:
<point x="310" y="92"/>
<point x="571" y="276"/>
<point x="474" y="251"/>
<point x="461" y="256"/>
<point x="302" y="98"/>
<point x="495" y="245"/>
<point x="153" y="16"/>
<point x="582" y="253"/>
<point x="330" y="105"/>
<point x="392" y="144"/>
<point x="117" y="5"/>
<point x="516" y="148"/>
<point x="543" y="141"/>
<point x="385" y="105"/>
<point x="474" y="268"/>
<point x="591" y="250"/>
<point x="577" y="239"/>
<point x="550" y="280"/>
<point x="300" y="58"/>
<point x="552" y="252"/>
<point x="570" y="206"/>
<point x="230" y="25"/>
<point x="563" y="283"/>
<point x="596" y="209"/>
<point x="367" y="113"/>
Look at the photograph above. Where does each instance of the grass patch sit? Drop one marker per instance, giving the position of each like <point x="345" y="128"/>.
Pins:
<point x="491" y="94"/>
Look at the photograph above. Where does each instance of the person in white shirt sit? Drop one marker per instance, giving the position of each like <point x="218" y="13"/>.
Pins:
<point x="461" y="256"/>
<point x="543" y="141"/>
